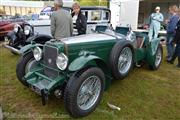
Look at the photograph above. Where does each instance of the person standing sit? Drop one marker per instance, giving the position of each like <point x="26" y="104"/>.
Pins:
<point x="61" y="21"/>
<point x="171" y="31"/>
<point x="155" y="23"/>
<point x="79" y="19"/>
<point x="177" y="42"/>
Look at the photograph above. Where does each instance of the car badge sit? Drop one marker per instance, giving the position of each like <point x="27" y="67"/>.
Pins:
<point x="49" y="61"/>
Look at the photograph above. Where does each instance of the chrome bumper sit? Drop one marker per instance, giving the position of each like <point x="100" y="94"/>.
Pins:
<point x="12" y="49"/>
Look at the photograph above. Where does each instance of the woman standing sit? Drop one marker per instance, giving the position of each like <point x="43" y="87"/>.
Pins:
<point x="79" y="19"/>
<point x="177" y="41"/>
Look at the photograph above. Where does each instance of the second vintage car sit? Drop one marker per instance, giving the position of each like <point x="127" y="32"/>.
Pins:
<point x="38" y="31"/>
<point x="23" y="35"/>
<point x="80" y="68"/>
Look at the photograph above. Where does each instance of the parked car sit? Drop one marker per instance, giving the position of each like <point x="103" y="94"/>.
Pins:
<point x="94" y="15"/>
<point x="80" y="68"/>
<point x="23" y="35"/>
<point x="7" y="24"/>
<point x="41" y="28"/>
<point x="6" y="27"/>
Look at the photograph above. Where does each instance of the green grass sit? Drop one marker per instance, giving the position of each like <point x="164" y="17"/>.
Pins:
<point x="143" y="95"/>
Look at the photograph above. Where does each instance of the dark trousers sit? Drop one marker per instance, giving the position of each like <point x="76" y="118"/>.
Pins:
<point x="176" y="54"/>
<point x="170" y="46"/>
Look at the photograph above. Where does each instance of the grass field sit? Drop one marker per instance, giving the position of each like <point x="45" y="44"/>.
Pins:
<point x="143" y="95"/>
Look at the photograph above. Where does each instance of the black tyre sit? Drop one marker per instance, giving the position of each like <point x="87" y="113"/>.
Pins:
<point x="121" y="60"/>
<point x="1" y="38"/>
<point x="158" y="58"/>
<point x="84" y="91"/>
<point x="24" y="65"/>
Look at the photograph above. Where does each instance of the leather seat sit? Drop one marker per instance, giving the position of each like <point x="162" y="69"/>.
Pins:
<point x="139" y="41"/>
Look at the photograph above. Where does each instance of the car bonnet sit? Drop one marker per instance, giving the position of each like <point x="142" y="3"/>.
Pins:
<point x="89" y="38"/>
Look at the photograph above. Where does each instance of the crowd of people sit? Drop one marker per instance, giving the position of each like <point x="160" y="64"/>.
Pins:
<point x="62" y="26"/>
<point x="173" y="31"/>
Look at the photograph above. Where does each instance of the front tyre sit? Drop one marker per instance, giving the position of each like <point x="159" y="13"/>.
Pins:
<point x="25" y="64"/>
<point x="84" y="91"/>
<point x="158" y="58"/>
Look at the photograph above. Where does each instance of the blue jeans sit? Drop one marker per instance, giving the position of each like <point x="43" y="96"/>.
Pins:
<point x="170" y="46"/>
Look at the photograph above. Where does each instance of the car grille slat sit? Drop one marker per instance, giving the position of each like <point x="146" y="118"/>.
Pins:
<point x="50" y="55"/>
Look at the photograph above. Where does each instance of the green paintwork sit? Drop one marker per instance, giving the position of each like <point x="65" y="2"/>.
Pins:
<point x="39" y="80"/>
<point x="81" y="61"/>
<point x="27" y="48"/>
<point x="151" y="51"/>
<point x="82" y="54"/>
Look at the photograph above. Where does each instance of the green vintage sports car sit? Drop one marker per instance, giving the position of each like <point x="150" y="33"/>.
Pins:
<point x="80" y="68"/>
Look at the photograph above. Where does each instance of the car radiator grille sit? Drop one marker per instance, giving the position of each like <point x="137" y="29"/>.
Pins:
<point x="50" y="55"/>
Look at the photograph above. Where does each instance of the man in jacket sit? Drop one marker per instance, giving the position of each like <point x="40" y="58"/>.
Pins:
<point x="177" y="42"/>
<point x="61" y="21"/>
<point x="79" y="19"/>
<point x="171" y="31"/>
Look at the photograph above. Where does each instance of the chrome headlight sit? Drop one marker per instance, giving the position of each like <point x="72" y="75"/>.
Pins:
<point x="6" y="39"/>
<point x="62" y="61"/>
<point x="27" y="29"/>
<point x="37" y="52"/>
<point x="16" y="27"/>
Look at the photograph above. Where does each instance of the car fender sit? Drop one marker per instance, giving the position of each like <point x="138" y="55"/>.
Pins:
<point x="81" y="62"/>
<point x="84" y="61"/>
<point x="29" y="48"/>
<point x="39" y="38"/>
<point x="152" y="47"/>
<point x="151" y="50"/>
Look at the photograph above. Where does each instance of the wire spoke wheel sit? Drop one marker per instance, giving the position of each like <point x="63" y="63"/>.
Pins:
<point x="125" y="60"/>
<point x="158" y="57"/>
<point x="89" y="92"/>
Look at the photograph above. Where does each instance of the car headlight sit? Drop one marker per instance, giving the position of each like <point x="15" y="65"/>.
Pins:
<point x="6" y="39"/>
<point x="27" y="29"/>
<point x="62" y="61"/>
<point x="26" y="32"/>
<point x="37" y="52"/>
<point x="16" y="27"/>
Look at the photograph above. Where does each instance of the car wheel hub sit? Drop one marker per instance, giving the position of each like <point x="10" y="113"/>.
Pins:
<point x="89" y="92"/>
<point x="158" y="57"/>
<point x="125" y="60"/>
